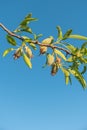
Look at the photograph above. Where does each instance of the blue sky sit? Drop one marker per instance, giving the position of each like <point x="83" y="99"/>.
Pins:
<point x="33" y="99"/>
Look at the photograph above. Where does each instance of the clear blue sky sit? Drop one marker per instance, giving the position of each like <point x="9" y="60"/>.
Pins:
<point x="32" y="99"/>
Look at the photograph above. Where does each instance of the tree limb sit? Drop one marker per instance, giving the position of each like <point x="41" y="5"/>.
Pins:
<point x="52" y="46"/>
<point x="11" y="33"/>
<point x="35" y="42"/>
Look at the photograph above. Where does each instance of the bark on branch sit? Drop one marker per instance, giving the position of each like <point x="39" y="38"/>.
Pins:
<point x="35" y="42"/>
<point x="10" y="33"/>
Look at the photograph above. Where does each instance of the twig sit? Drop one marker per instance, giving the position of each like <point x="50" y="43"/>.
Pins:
<point x="11" y="33"/>
<point x="52" y="46"/>
<point x="35" y="42"/>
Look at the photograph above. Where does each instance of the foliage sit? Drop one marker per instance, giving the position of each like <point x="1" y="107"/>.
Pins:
<point x="63" y="55"/>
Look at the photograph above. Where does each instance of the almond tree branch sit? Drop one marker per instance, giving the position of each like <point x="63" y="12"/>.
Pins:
<point x="35" y="42"/>
<point x="53" y="47"/>
<point x="10" y="33"/>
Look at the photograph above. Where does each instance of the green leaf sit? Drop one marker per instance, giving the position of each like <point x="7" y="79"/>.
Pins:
<point x="31" y="19"/>
<point x="79" y="77"/>
<point x="27" y="60"/>
<point x="85" y="51"/>
<point x="28" y="16"/>
<point x="27" y="29"/>
<point x="37" y="36"/>
<point x="67" y="34"/>
<point x="70" y="80"/>
<point x="60" y="54"/>
<point x="60" y="36"/>
<point x="67" y="75"/>
<point x="17" y="30"/>
<point x="11" y="40"/>
<point x="83" y="60"/>
<point x="71" y="47"/>
<point x="84" y="70"/>
<point x="33" y="46"/>
<point x="7" y="51"/>
<point x="83" y="45"/>
<point x="66" y="80"/>
<point x="79" y="37"/>
<point x="27" y="39"/>
<point x="70" y="59"/>
<point x="26" y="21"/>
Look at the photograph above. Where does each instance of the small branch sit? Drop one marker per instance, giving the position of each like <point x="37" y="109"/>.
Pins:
<point x="11" y="33"/>
<point x="35" y="42"/>
<point x="52" y="46"/>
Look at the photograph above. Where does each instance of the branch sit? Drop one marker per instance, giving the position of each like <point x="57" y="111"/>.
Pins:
<point x="11" y="33"/>
<point x="52" y="46"/>
<point x="35" y="42"/>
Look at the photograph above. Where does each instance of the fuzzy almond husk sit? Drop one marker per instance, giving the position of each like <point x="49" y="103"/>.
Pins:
<point x="43" y="49"/>
<point x="54" y="69"/>
<point x="17" y="54"/>
<point x="50" y="59"/>
<point x="28" y="52"/>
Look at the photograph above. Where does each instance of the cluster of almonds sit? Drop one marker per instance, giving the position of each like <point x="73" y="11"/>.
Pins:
<point x="55" y="63"/>
<point x="19" y="52"/>
<point x="27" y="50"/>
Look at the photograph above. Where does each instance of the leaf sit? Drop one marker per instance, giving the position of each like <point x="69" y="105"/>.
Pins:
<point x="79" y="77"/>
<point x="26" y="21"/>
<point x="37" y="36"/>
<point x="31" y="19"/>
<point x="83" y="45"/>
<point x="28" y="16"/>
<point x="67" y="34"/>
<point x="67" y="75"/>
<point x="27" y="39"/>
<point x="27" y="60"/>
<point x="70" y="59"/>
<point x="59" y="33"/>
<point x="85" y="51"/>
<point x="66" y="80"/>
<point x="84" y="70"/>
<point x="11" y="40"/>
<point x="83" y="60"/>
<point x="70" y="80"/>
<point x="27" y="29"/>
<point x="16" y="30"/>
<point x="71" y="47"/>
<point x="60" y="54"/>
<point x="33" y="46"/>
<point x="79" y="37"/>
<point x="7" y="51"/>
